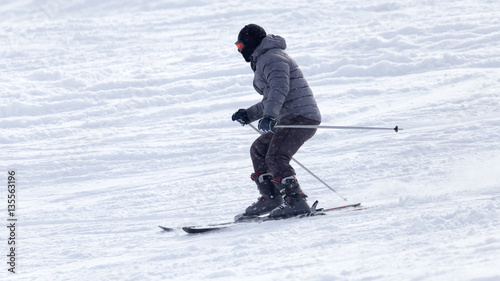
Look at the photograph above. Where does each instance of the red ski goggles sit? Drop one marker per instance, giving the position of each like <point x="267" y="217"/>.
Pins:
<point x="239" y="45"/>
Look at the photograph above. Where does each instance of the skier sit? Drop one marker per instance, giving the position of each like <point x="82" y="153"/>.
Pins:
<point x="287" y="100"/>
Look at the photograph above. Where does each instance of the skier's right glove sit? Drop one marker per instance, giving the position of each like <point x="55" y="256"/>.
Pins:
<point x="241" y="116"/>
<point x="266" y="124"/>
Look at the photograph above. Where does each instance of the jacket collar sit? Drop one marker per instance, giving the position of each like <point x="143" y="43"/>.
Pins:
<point x="269" y="42"/>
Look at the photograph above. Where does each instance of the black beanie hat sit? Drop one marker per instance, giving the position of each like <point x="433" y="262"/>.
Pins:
<point x="251" y="35"/>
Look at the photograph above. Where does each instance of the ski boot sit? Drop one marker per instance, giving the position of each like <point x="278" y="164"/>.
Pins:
<point x="270" y="195"/>
<point x="294" y="200"/>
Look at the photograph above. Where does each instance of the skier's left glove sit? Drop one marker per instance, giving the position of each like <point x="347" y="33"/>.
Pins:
<point x="241" y="116"/>
<point x="266" y="124"/>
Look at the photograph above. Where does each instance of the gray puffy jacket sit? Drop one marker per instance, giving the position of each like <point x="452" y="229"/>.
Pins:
<point x="278" y="78"/>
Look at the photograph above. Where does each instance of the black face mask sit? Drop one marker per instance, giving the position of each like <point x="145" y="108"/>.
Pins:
<point x="248" y="50"/>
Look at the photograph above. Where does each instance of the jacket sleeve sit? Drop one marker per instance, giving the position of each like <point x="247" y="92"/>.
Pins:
<point x="256" y="111"/>
<point x="277" y="74"/>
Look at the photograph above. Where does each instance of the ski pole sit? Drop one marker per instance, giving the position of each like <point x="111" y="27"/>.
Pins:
<point x="396" y="129"/>
<point x="304" y="167"/>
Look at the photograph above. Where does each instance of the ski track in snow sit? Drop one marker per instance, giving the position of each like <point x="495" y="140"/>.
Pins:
<point x="116" y="118"/>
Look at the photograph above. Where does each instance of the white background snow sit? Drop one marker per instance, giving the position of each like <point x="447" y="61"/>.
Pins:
<point x="116" y="117"/>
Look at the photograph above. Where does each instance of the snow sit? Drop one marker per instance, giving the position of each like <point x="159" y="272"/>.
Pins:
<point x="115" y="116"/>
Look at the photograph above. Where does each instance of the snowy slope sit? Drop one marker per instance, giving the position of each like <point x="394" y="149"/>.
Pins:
<point x="115" y="116"/>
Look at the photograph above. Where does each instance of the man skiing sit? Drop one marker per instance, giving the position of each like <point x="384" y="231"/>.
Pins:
<point x="287" y="100"/>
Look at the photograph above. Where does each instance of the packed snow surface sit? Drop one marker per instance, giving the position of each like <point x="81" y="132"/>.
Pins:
<point x="116" y="118"/>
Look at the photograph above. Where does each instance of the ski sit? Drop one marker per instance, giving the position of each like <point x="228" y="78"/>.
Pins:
<point x="240" y="219"/>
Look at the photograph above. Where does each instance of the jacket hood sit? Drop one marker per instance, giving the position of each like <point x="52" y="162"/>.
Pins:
<point x="269" y="42"/>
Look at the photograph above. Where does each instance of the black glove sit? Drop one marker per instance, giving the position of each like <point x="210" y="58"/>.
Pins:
<point x="241" y="116"/>
<point x="266" y="124"/>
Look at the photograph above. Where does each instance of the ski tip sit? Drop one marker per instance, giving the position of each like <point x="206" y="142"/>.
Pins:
<point x="168" y="229"/>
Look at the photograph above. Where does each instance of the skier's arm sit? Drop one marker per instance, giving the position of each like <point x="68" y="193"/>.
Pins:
<point x="277" y="74"/>
<point x="256" y="111"/>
